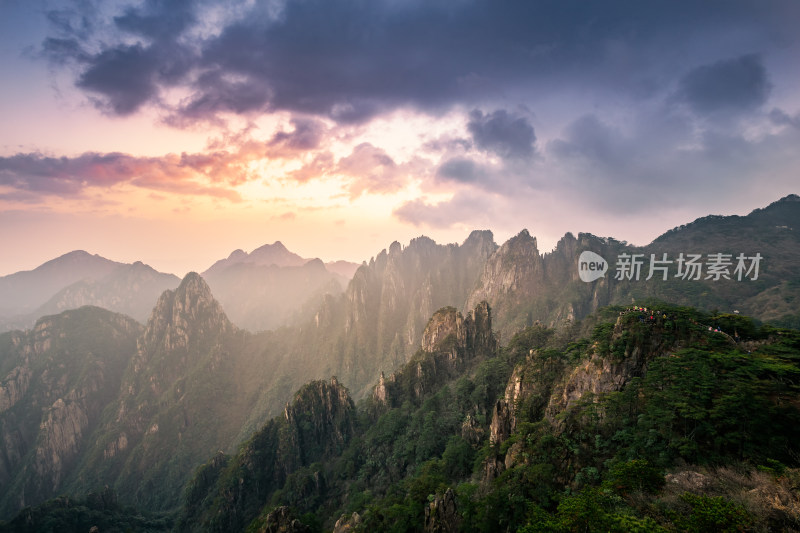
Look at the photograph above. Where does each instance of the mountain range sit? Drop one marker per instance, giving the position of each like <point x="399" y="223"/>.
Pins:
<point x="75" y="279"/>
<point x="91" y="398"/>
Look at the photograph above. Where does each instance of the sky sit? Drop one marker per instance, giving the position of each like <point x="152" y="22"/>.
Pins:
<point x="174" y="132"/>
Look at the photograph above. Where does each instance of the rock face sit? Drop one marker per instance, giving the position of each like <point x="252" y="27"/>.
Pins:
<point x="347" y="524"/>
<point x="523" y="286"/>
<point x="321" y="413"/>
<point x="441" y="515"/>
<point x="188" y="313"/>
<point x="14" y="386"/>
<point x="603" y="373"/>
<point x="548" y="388"/>
<point x="449" y="342"/>
<point x="529" y="387"/>
<point x="511" y="273"/>
<point x="58" y="378"/>
<point x="378" y="323"/>
<point x="449" y="331"/>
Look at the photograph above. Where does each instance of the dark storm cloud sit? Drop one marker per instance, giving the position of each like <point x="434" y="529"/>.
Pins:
<point x="124" y="76"/>
<point x="351" y="60"/>
<point x="460" y="169"/>
<point x="782" y="118"/>
<point x="661" y="162"/>
<point x="502" y="133"/>
<point x="160" y="20"/>
<point x="591" y="139"/>
<point x="730" y="85"/>
<point x="307" y="135"/>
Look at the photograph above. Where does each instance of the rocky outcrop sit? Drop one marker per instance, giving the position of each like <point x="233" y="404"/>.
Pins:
<point x="602" y="373"/>
<point x="471" y="430"/>
<point x="441" y="515"/>
<point x="380" y="392"/>
<point x="529" y="387"/>
<point x="449" y="332"/>
<point x="511" y="273"/>
<point x="14" y="386"/>
<point x="60" y="437"/>
<point x="281" y="520"/>
<point x="502" y="423"/>
<point x="523" y="286"/>
<point x="449" y="342"/>
<point x="182" y="395"/>
<point x="322" y="414"/>
<point x="347" y="524"/>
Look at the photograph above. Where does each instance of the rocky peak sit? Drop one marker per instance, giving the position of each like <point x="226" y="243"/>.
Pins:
<point x="314" y="265"/>
<point x="522" y="242"/>
<point x="449" y="341"/>
<point x="275" y="253"/>
<point x="237" y="255"/>
<point x="480" y="238"/>
<point x="188" y="312"/>
<point x="444" y="323"/>
<point x="322" y="414"/>
<point x="448" y="331"/>
<point x="511" y="274"/>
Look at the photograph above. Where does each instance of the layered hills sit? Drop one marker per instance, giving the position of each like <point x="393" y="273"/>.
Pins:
<point x="77" y="279"/>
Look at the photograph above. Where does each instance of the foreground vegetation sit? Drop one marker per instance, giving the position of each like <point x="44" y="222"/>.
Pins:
<point x="695" y="432"/>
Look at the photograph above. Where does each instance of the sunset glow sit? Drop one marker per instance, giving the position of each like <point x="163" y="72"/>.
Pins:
<point x="173" y="134"/>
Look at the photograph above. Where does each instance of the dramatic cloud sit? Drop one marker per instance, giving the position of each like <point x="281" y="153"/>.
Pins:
<point x="506" y="135"/>
<point x="201" y="174"/>
<point x="353" y="60"/>
<point x="461" y="169"/>
<point x="307" y="135"/>
<point x="658" y="164"/>
<point x="445" y="114"/>
<point x="125" y="76"/>
<point x="732" y="85"/>
<point x="589" y="138"/>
